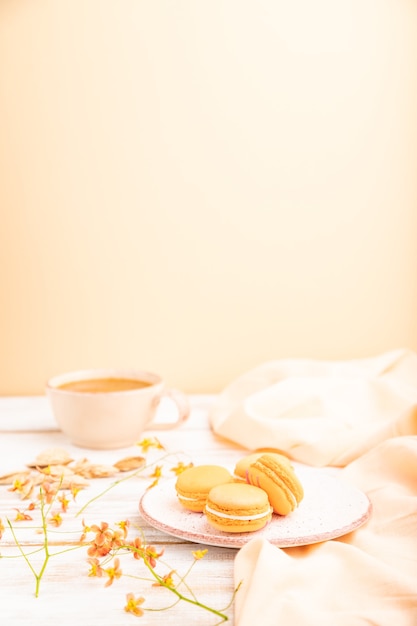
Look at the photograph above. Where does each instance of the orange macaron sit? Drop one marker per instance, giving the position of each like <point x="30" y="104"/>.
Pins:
<point x="276" y="476"/>
<point x="194" y="484"/>
<point x="237" y="508"/>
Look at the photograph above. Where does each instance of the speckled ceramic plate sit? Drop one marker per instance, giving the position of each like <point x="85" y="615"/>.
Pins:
<point x="330" y="508"/>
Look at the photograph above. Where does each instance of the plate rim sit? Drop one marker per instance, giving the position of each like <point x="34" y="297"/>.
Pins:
<point x="237" y="540"/>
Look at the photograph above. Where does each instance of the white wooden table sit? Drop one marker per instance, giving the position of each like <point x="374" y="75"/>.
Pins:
<point x="68" y="595"/>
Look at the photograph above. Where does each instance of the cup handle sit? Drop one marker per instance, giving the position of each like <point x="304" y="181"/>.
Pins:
<point x="183" y="407"/>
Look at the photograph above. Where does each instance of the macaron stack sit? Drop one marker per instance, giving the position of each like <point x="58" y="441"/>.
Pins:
<point x="237" y="508"/>
<point x="263" y="483"/>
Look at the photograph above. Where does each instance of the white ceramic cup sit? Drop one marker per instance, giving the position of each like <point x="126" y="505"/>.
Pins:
<point x="111" y="419"/>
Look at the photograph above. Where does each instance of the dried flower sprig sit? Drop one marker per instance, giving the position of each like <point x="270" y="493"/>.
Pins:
<point x="58" y="480"/>
<point x="46" y="501"/>
<point x="106" y="544"/>
<point x="157" y="473"/>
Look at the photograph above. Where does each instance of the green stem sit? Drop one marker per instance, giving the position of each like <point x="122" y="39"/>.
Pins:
<point x="183" y="581"/>
<point x="18" y="556"/>
<point x="180" y="596"/>
<point x="45" y="545"/>
<point x="71" y="549"/>
<point x="121" y="480"/>
<point x="21" y="549"/>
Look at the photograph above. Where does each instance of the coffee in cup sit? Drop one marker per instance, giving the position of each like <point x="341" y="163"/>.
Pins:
<point x="110" y="408"/>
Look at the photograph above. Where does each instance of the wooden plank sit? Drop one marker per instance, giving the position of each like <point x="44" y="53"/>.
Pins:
<point x="68" y="595"/>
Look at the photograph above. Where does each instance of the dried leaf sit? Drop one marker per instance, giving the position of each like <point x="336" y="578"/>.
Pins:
<point x="130" y="463"/>
<point x="27" y="489"/>
<point x="9" y="479"/>
<point x="37" y="478"/>
<point x="92" y="470"/>
<point x="51" y="456"/>
<point x="56" y="470"/>
<point x="79" y="465"/>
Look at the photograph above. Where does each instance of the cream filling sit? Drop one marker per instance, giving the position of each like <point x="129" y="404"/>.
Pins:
<point x="189" y="499"/>
<point x="239" y="517"/>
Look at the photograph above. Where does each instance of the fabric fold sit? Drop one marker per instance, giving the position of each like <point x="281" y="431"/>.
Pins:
<point x="321" y="412"/>
<point x="366" y="577"/>
<point x="361" y="417"/>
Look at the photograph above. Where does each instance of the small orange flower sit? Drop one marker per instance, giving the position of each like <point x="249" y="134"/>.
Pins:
<point x="132" y="604"/>
<point x="64" y="503"/>
<point x="87" y="529"/>
<point x="113" y="572"/>
<point x="157" y="473"/>
<point x="166" y="581"/>
<point x="124" y="526"/>
<point x="181" y="467"/>
<point x="19" y="485"/>
<point x="47" y="492"/>
<point x="151" y="555"/>
<point x="117" y="539"/>
<point x="150" y="442"/>
<point x="103" y="536"/>
<point x="98" y="551"/>
<point x="137" y="548"/>
<point x="105" y="540"/>
<point x="55" y="519"/>
<point x="199" y="554"/>
<point x="2" y="528"/>
<point x="102" y="532"/>
<point x="74" y="490"/>
<point x="95" y="568"/>
<point x="22" y="516"/>
<point x="153" y="484"/>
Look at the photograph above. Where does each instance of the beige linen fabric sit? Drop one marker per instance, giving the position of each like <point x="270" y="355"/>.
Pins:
<point x="368" y="577"/>
<point x="359" y="415"/>
<point x="321" y="412"/>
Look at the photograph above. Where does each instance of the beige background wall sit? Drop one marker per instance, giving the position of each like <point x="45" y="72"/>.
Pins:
<point x="198" y="186"/>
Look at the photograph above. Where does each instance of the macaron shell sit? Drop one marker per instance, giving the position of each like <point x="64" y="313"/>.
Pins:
<point x="237" y="507"/>
<point x="194" y="484"/>
<point x="242" y="466"/>
<point x="279" y="481"/>
<point x="273" y="451"/>
<point x="279" y="496"/>
<point x="230" y="526"/>
<point x="195" y="505"/>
